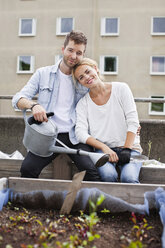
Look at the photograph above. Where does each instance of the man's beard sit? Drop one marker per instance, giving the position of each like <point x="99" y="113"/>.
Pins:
<point x="68" y="64"/>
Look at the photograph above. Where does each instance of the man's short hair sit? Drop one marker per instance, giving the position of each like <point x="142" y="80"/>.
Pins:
<point x="77" y="36"/>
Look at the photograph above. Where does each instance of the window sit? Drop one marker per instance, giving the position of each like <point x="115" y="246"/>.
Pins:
<point x="158" y="26"/>
<point x="109" y="65"/>
<point x="157" y="65"/>
<point x="109" y="26"/>
<point x="25" y="64"/>
<point x="64" y="25"/>
<point x="27" y="27"/>
<point x="157" y="108"/>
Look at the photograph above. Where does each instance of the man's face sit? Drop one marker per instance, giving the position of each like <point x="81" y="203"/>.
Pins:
<point x="73" y="53"/>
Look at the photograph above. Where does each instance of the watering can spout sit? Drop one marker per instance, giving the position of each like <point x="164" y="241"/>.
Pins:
<point x="99" y="159"/>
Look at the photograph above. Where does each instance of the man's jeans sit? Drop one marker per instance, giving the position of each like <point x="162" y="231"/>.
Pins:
<point x="129" y="173"/>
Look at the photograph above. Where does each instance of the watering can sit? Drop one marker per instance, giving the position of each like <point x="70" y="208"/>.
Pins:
<point x="40" y="137"/>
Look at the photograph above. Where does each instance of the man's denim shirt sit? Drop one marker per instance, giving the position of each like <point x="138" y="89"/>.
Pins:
<point x="45" y="85"/>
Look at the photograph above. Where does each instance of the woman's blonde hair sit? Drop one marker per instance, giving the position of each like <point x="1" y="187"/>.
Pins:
<point x="85" y="61"/>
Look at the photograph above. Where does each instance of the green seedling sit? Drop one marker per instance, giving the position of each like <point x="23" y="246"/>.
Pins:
<point x="149" y="148"/>
<point x="136" y="244"/>
<point x="105" y="211"/>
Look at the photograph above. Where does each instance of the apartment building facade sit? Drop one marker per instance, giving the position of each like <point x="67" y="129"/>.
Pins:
<point x="126" y="38"/>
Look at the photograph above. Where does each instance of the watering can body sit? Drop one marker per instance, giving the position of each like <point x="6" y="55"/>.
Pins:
<point x="39" y="138"/>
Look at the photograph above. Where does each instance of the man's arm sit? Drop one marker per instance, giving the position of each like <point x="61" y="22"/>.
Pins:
<point x="23" y="99"/>
<point x="27" y="93"/>
<point x="38" y="111"/>
<point x="24" y="103"/>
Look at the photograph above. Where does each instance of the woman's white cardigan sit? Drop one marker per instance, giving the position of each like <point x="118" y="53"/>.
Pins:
<point x="109" y="123"/>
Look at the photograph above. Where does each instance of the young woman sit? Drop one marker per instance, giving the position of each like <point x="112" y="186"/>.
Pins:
<point x="107" y="119"/>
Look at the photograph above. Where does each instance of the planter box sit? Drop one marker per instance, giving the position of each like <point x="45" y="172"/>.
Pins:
<point x="132" y="193"/>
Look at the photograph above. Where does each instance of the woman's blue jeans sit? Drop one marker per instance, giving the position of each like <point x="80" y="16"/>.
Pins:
<point x="129" y="173"/>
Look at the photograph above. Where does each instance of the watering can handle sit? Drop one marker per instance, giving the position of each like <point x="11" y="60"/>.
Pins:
<point x="24" y="115"/>
<point x="33" y="121"/>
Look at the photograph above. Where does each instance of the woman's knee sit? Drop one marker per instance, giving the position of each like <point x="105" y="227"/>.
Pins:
<point x="108" y="173"/>
<point x="109" y="178"/>
<point x="130" y="173"/>
<point x="129" y="178"/>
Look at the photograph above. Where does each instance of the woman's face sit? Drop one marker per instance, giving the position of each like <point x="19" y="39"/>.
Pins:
<point x="86" y="75"/>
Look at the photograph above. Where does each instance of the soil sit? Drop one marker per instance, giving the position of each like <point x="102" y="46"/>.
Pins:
<point x="41" y="228"/>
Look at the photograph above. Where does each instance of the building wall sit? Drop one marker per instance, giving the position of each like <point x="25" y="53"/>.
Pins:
<point x="133" y="46"/>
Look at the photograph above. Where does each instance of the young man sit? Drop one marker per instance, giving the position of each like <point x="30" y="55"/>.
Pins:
<point x="57" y="93"/>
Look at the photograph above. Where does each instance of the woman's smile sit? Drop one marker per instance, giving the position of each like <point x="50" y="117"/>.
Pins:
<point x="90" y="81"/>
<point x="86" y="75"/>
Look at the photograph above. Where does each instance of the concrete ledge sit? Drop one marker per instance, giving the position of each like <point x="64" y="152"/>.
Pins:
<point x="12" y="131"/>
<point x="11" y="168"/>
<point x="153" y="131"/>
<point x="61" y="168"/>
<point x="11" y="135"/>
<point x="152" y="175"/>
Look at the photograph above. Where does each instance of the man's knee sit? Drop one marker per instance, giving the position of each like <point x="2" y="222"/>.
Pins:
<point x="92" y="175"/>
<point x="26" y="170"/>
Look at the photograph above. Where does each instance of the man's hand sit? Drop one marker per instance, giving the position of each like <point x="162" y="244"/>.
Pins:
<point x="124" y="156"/>
<point x="39" y="113"/>
<point x="138" y="131"/>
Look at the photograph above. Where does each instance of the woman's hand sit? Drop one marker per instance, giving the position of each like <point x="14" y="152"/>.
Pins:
<point x="113" y="155"/>
<point x="113" y="158"/>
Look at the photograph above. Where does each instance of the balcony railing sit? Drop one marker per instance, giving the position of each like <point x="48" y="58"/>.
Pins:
<point x="137" y="99"/>
<point x="9" y="97"/>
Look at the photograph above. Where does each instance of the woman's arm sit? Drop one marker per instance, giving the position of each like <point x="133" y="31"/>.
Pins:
<point x="129" y="108"/>
<point x="105" y="149"/>
<point x="129" y="140"/>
